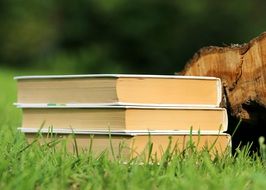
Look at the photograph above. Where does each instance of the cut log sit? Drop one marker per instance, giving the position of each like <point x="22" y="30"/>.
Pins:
<point x="242" y="69"/>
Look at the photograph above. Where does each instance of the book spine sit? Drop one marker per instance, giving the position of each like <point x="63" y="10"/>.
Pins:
<point x="219" y="92"/>
<point x="225" y="120"/>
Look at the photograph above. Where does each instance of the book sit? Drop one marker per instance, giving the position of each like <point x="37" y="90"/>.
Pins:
<point x="108" y="89"/>
<point x="124" y="118"/>
<point x="129" y="144"/>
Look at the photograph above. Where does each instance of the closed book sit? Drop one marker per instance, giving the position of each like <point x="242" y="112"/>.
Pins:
<point x="108" y="89"/>
<point x="124" y="118"/>
<point x="131" y="144"/>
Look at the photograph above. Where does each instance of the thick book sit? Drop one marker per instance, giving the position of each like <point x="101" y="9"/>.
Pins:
<point x="130" y="144"/>
<point x="108" y="89"/>
<point x="124" y="118"/>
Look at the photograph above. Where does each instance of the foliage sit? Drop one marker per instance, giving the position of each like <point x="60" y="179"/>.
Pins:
<point x="97" y="36"/>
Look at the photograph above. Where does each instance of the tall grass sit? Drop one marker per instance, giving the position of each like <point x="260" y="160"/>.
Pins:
<point x="30" y="166"/>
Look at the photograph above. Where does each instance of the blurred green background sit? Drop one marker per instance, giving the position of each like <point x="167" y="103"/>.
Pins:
<point x="118" y="36"/>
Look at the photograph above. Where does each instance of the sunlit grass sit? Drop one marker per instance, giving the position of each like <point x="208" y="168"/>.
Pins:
<point x="24" y="166"/>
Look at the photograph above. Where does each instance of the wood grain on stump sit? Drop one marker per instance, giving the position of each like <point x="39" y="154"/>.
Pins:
<point x="242" y="69"/>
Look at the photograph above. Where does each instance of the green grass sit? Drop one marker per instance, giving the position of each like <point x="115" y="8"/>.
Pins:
<point x="35" y="167"/>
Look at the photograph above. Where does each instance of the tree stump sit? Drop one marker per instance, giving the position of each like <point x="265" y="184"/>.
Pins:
<point x="242" y="69"/>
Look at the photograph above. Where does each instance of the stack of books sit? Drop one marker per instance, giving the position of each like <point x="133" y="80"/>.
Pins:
<point x="125" y="114"/>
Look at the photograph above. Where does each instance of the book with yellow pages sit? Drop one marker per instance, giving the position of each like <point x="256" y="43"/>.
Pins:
<point x="111" y="89"/>
<point x="124" y="117"/>
<point x="131" y="144"/>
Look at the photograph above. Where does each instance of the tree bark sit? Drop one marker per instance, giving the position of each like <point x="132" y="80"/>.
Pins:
<point x="242" y="69"/>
